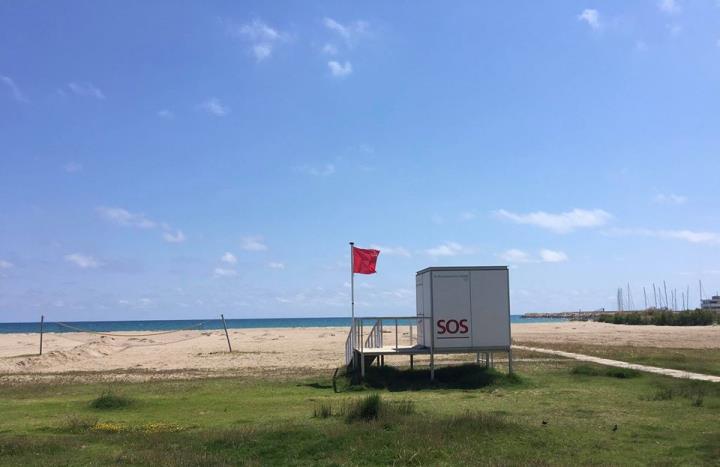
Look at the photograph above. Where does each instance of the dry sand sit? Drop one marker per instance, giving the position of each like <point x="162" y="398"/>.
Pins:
<point x="276" y="351"/>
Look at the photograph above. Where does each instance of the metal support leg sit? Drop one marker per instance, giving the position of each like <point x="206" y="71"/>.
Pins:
<point x="487" y="360"/>
<point x="411" y="361"/>
<point x="510" y="370"/>
<point x="432" y="365"/>
<point x="492" y="360"/>
<point x="477" y="358"/>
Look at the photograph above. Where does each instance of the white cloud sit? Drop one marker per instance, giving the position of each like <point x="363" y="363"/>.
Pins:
<point x="72" y="167"/>
<point x="13" y="88"/>
<point x="253" y="243"/>
<point x="165" y="113"/>
<point x="228" y="258"/>
<point x="468" y="215"/>
<point x="552" y="256"/>
<point x="330" y="49"/>
<point x="324" y="171"/>
<point x="340" y="69"/>
<point x="671" y="199"/>
<point x="125" y="218"/>
<point x="86" y="90"/>
<point x="224" y="272"/>
<point x="213" y="106"/>
<point x="691" y="236"/>
<point x="392" y="250"/>
<point x="591" y="17"/>
<point x="82" y="261"/>
<point x="262" y="38"/>
<point x="6" y="264"/>
<point x="514" y="255"/>
<point x="449" y="249"/>
<point x="349" y="31"/>
<point x="670" y="7"/>
<point x="276" y="265"/>
<point x="562" y="222"/>
<point x="177" y="237"/>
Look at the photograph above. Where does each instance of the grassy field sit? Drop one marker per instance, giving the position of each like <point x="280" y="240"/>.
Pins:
<point x="551" y="413"/>
<point x="705" y="361"/>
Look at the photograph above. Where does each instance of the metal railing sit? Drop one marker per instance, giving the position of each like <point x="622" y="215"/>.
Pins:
<point x="360" y="340"/>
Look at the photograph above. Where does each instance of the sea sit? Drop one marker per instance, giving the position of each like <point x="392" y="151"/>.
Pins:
<point x="205" y="324"/>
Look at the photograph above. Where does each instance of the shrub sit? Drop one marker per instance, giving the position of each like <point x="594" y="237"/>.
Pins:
<point x="109" y="400"/>
<point x="366" y="408"/>
<point x="323" y="410"/>
<point x="78" y="424"/>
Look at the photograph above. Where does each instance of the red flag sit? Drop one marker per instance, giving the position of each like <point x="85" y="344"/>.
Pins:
<point x="364" y="260"/>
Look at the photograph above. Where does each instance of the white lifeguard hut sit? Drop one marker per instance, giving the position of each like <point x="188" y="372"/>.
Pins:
<point x="458" y="310"/>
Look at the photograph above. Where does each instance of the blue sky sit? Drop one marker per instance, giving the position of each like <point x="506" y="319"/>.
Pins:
<point x="185" y="159"/>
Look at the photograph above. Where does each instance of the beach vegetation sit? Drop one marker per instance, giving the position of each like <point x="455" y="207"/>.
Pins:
<point x="110" y="400"/>
<point x="663" y="317"/>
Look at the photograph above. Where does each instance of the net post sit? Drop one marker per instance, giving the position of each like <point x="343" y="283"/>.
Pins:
<point x="227" y="336"/>
<point x="42" y="325"/>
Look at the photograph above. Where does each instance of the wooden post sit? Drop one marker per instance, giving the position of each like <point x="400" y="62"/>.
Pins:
<point x="226" y="333"/>
<point x="42" y="322"/>
<point x="396" y="335"/>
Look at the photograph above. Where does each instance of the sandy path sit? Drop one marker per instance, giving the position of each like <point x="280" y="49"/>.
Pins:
<point x="619" y="364"/>
<point x="278" y="350"/>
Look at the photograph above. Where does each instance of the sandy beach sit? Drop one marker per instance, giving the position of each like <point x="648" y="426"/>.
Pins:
<point x="285" y="351"/>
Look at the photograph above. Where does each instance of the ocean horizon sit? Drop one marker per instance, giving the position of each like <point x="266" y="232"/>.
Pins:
<point x="203" y="324"/>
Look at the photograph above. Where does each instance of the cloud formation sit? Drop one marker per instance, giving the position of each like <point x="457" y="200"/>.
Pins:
<point x="515" y="256"/>
<point x="591" y="17"/>
<point x="82" y="261"/>
<point x="228" y="258"/>
<point x="563" y="222"/>
<point x="691" y="236"/>
<point x="253" y="243"/>
<point x="86" y="89"/>
<point x="262" y="39"/>
<point x="15" y="92"/>
<point x="670" y="199"/>
<point x="349" y="31"/>
<point x="6" y="264"/>
<point x="324" y="171"/>
<point x="276" y="265"/>
<point x="213" y="106"/>
<point x="449" y="249"/>
<point x="224" y="272"/>
<point x="340" y="70"/>
<point x="177" y="237"/>
<point x="670" y="7"/>
<point x="125" y="218"/>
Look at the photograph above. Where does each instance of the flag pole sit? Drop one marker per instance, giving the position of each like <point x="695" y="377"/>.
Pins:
<point x="352" y="295"/>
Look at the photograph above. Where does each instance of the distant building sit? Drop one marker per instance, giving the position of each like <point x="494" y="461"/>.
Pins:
<point x="711" y="303"/>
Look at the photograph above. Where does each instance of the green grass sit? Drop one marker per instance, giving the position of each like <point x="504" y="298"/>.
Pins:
<point x="492" y="419"/>
<point x="706" y="361"/>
